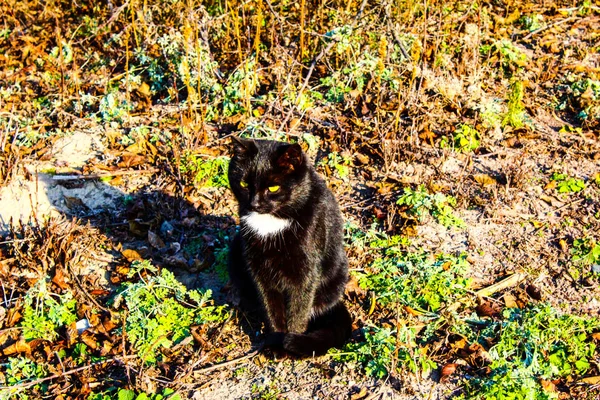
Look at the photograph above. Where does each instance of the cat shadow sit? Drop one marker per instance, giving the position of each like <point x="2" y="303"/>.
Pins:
<point x="154" y="225"/>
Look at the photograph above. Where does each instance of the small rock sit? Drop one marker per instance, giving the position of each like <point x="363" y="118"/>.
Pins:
<point x="596" y="268"/>
<point x="166" y="229"/>
<point x="82" y="325"/>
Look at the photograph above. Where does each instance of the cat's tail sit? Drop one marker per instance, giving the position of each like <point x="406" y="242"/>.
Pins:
<point x="328" y="330"/>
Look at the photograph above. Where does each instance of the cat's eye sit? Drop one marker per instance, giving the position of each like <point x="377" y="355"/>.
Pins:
<point x="244" y="184"/>
<point x="273" y="189"/>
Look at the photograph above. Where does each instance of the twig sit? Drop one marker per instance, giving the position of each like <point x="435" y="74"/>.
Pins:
<point x="70" y="372"/>
<point x="305" y="84"/>
<point x="548" y="27"/>
<point x="506" y="283"/>
<point x="231" y="362"/>
<point x="104" y="174"/>
<point x="571" y="203"/>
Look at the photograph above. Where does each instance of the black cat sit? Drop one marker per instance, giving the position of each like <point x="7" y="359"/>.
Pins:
<point x="289" y="254"/>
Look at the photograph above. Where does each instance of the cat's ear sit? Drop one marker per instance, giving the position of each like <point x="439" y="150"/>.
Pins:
<point x="290" y="157"/>
<point x="243" y="146"/>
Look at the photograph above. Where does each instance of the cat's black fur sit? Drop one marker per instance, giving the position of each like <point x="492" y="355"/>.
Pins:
<point x="298" y="274"/>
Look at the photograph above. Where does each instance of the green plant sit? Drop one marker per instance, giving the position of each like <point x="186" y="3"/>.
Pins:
<point x="210" y="172"/>
<point x="464" y="139"/>
<point x="265" y="392"/>
<point x="533" y="344"/>
<point x="161" y="311"/>
<point x="567" y="184"/>
<point x="438" y="205"/>
<point x="21" y="370"/>
<point x="44" y="312"/>
<point x="585" y="251"/>
<point x="516" y="116"/>
<point x="386" y="350"/>
<point x="415" y="280"/>
<point x="340" y="164"/>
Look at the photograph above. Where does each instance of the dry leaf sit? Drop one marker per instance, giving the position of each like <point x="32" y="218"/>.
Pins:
<point x="155" y="241"/>
<point x="510" y="301"/>
<point x="484" y="179"/>
<point x="18" y="347"/>
<point x="591" y="380"/>
<point x="131" y="255"/>
<point x="548" y="386"/>
<point x="360" y="395"/>
<point x="59" y="279"/>
<point x="448" y="369"/>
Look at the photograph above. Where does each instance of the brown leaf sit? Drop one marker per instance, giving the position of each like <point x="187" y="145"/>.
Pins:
<point x="534" y="292"/>
<point x="548" y="386"/>
<point x="89" y="338"/>
<point x="99" y="292"/>
<point x="510" y="301"/>
<point x="487" y="309"/>
<point x="13" y="317"/>
<point x="72" y="334"/>
<point x="131" y="255"/>
<point x="484" y="179"/>
<point x="412" y="311"/>
<point x="596" y="336"/>
<point x="448" y="369"/>
<point x="360" y="395"/>
<point x="18" y="347"/>
<point x="591" y="380"/>
<point x="550" y="185"/>
<point x="59" y="279"/>
<point x="155" y="241"/>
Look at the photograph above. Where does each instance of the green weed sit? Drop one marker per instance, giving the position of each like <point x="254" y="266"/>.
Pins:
<point x="516" y="116"/>
<point x="415" y="280"/>
<point x="385" y="351"/>
<point x="530" y="345"/>
<point x="340" y="164"/>
<point x="210" y="172"/>
<point x="464" y="139"/>
<point x="161" y="311"/>
<point x="44" y="312"/>
<point x="586" y="252"/>
<point x="566" y="184"/>
<point x="21" y="370"/>
<point x="438" y="205"/>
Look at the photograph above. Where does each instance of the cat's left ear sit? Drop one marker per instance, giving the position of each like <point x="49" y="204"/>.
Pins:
<point x="291" y="157"/>
<point x="243" y="146"/>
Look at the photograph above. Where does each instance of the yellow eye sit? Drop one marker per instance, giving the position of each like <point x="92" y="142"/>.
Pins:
<point x="244" y="184"/>
<point x="273" y="189"/>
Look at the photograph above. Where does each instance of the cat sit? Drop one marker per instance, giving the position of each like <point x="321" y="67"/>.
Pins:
<point x="288" y="257"/>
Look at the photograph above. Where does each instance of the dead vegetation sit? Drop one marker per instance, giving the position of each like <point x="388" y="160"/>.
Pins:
<point x="461" y="139"/>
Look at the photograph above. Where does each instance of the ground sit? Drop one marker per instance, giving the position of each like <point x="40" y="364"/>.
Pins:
<point x="460" y="139"/>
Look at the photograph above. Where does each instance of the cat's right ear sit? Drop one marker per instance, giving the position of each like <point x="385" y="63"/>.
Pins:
<point x="243" y="146"/>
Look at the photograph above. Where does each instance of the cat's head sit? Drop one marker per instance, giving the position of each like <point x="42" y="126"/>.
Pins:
<point x="268" y="177"/>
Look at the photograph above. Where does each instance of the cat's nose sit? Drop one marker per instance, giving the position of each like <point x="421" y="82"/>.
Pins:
<point x="254" y="204"/>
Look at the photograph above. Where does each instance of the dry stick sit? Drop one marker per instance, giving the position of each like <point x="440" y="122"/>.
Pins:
<point x="305" y="84"/>
<point x="231" y="362"/>
<point x="70" y="372"/>
<point x="548" y="27"/>
<point x="506" y="283"/>
<point x="104" y="174"/>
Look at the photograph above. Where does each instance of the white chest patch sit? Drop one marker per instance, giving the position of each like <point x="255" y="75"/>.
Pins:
<point x="265" y="224"/>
